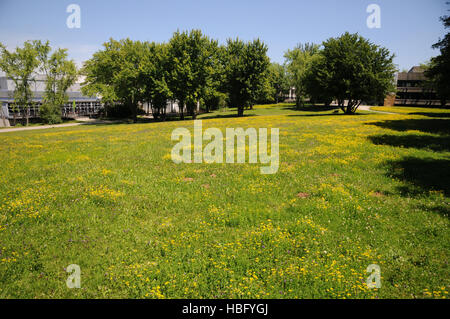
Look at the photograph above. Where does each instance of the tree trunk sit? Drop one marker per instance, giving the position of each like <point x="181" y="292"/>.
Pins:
<point x="300" y="102"/>
<point x="352" y="106"/>
<point x="341" y="105"/>
<point x="13" y="109"/>
<point x="181" y="109"/>
<point x="192" y="110"/>
<point x="349" y="107"/>
<point x="134" y="112"/>
<point x="163" y="114"/>
<point x="240" y="111"/>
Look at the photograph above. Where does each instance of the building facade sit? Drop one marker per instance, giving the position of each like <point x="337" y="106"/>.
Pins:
<point x="171" y="107"/>
<point x="84" y="105"/>
<point x="412" y="91"/>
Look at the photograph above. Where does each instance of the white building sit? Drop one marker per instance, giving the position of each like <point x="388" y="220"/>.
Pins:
<point x="84" y="105"/>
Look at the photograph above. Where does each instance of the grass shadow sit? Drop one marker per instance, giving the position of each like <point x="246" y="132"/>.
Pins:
<point x="436" y="126"/>
<point x="310" y="108"/>
<point x="431" y="114"/>
<point x="443" y="210"/>
<point x="333" y="114"/>
<point x="421" y="175"/>
<point x="434" y="143"/>
<point x="219" y="116"/>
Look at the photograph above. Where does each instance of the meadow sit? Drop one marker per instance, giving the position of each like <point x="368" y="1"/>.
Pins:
<point x="351" y="190"/>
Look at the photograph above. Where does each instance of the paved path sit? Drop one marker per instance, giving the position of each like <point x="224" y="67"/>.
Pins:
<point x="369" y="108"/>
<point x="42" y="127"/>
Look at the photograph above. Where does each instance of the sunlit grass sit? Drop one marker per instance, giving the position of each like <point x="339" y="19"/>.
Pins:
<point x="350" y="191"/>
<point x="410" y="110"/>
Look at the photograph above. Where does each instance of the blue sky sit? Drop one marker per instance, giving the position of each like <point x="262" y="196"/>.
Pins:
<point x="408" y="27"/>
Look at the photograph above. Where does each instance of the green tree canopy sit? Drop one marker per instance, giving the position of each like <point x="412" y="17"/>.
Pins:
<point x="191" y="62"/>
<point x="279" y="81"/>
<point x="116" y="73"/>
<point x="20" y="66"/>
<point x="155" y="74"/>
<point x="245" y="71"/>
<point x="439" y="68"/>
<point x="298" y="61"/>
<point x="60" y="73"/>
<point x="353" y="69"/>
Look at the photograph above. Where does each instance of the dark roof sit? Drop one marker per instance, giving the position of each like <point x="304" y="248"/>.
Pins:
<point x="416" y="69"/>
<point x="414" y="74"/>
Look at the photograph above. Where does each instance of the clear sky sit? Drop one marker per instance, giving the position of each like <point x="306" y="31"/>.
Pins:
<point x="408" y="27"/>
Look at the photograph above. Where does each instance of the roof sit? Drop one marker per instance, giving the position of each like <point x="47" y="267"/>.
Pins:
<point x="416" y="69"/>
<point x="416" y="73"/>
<point x="38" y="88"/>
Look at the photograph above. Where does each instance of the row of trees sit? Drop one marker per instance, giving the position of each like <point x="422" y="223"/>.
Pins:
<point x="191" y="68"/>
<point x="23" y="66"/>
<point x="349" y="69"/>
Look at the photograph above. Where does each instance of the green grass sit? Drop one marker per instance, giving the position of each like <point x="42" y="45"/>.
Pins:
<point x="350" y="191"/>
<point x="427" y="111"/>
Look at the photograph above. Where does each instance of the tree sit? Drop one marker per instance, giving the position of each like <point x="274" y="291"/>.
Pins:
<point x="115" y="73"/>
<point x="279" y="81"/>
<point x="314" y="82"/>
<point x="353" y="69"/>
<point x="265" y="92"/>
<point x="60" y="73"/>
<point x="245" y="71"/>
<point x="155" y="74"/>
<point x="20" y="66"/>
<point x="298" y="62"/>
<point x="214" y="94"/>
<point x="191" y="61"/>
<point x="439" y="69"/>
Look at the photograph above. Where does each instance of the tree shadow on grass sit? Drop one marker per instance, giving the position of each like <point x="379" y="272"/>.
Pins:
<point x="434" y="143"/>
<point x="421" y="175"/>
<point x="320" y="108"/>
<point x="219" y="116"/>
<point x="431" y="114"/>
<point x="310" y="108"/>
<point x="437" y="126"/>
<point x="443" y="210"/>
<point x="333" y="114"/>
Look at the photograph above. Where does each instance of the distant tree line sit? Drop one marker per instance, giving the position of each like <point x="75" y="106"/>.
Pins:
<point x="193" y="69"/>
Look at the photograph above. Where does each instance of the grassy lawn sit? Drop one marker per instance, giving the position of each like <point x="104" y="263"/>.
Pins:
<point x="434" y="112"/>
<point x="350" y="191"/>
